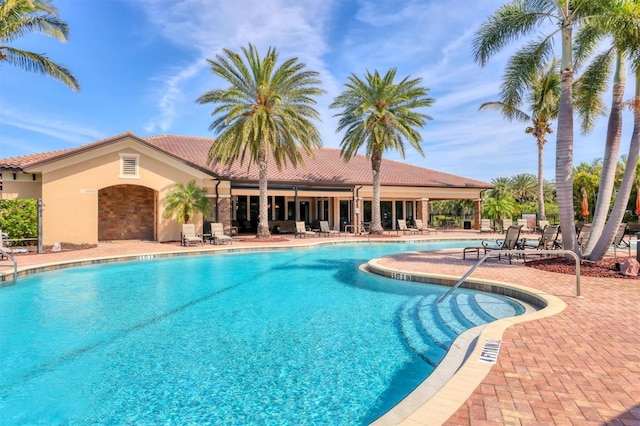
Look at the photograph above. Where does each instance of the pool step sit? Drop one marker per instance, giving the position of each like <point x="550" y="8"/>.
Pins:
<point x="413" y="333"/>
<point x="428" y="328"/>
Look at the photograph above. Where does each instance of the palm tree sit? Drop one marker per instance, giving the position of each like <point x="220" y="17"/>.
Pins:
<point x="499" y="208"/>
<point x="380" y="114"/>
<point x="523" y="187"/>
<point x="185" y="200"/>
<point x="20" y="17"/>
<point x="543" y="96"/>
<point x="526" y="17"/>
<point x="501" y="187"/>
<point x="265" y="111"/>
<point x="612" y="60"/>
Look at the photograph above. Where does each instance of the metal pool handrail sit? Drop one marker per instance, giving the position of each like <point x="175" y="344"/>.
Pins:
<point x="524" y="252"/>
<point x="9" y="256"/>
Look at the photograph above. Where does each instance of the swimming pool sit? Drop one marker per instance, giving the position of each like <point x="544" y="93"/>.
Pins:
<point x="278" y="337"/>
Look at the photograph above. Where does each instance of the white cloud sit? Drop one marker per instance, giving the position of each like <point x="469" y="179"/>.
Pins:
<point x="47" y="123"/>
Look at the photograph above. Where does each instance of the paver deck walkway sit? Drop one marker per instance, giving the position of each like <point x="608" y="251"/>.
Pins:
<point x="579" y="367"/>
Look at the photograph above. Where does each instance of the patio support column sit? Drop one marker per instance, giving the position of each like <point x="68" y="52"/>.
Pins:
<point x="425" y="211"/>
<point x="224" y="209"/>
<point x="477" y="213"/>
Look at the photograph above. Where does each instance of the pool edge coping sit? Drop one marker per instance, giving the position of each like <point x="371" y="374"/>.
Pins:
<point x="438" y="408"/>
<point x="6" y="276"/>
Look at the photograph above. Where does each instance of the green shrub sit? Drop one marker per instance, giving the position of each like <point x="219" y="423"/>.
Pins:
<point x="19" y="218"/>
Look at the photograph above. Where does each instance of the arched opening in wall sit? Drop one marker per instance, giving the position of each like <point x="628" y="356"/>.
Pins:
<point x="126" y="212"/>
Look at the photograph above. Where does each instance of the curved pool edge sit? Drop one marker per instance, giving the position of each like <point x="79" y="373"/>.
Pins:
<point x="461" y="371"/>
<point x="6" y="275"/>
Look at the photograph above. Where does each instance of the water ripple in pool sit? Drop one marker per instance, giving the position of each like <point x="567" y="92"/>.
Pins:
<point x="265" y="338"/>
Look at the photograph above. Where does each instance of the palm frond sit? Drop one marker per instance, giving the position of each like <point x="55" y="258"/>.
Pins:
<point x="589" y="88"/>
<point x="509" y="22"/>
<point x="19" y="18"/>
<point x="36" y="63"/>
<point x="522" y="69"/>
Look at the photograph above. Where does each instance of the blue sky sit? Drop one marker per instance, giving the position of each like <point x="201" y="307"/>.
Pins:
<point x="142" y="64"/>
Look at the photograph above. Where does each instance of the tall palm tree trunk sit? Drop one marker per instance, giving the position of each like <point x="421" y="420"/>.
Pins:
<point x="564" y="144"/>
<point x="376" y="225"/>
<point x="610" y="162"/>
<point x="541" y="212"/>
<point x="263" y="218"/>
<point x="624" y="192"/>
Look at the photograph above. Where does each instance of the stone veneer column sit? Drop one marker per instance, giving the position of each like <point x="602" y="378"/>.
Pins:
<point x="477" y="213"/>
<point x="424" y="210"/>
<point x="224" y="210"/>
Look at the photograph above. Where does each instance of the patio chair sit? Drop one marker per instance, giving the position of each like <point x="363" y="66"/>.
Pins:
<point x="542" y="224"/>
<point x="511" y="241"/>
<point x="326" y="231"/>
<point x="218" y="236"/>
<point x="189" y="235"/>
<point x="583" y="235"/>
<point x="548" y="240"/>
<point x="524" y="225"/>
<point x="420" y="226"/>
<point x="301" y="231"/>
<point x="506" y="223"/>
<point x="485" y="225"/>
<point x="619" y="241"/>
<point x="402" y="227"/>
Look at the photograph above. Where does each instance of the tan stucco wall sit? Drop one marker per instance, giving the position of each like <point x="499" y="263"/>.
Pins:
<point x="23" y="186"/>
<point x="70" y="190"/>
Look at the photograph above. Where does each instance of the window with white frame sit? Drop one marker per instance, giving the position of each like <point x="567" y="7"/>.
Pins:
<point x="129" y="166"/>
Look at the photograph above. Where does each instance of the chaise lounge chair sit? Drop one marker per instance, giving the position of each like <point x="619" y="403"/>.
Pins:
<point x="506" y="223"/>
<point x="402" y="227"/>
<point x="326" y="231"/>
<point x="524" y="225"/>
<point x="548" y="240"/>
<point x="301" y="231"/>
<point x="485" y="225"/>
<point x="511" y="241"/>
<point x="189" y="235"/>
<point x="542" y="224"/>
<point x="583" y="235"/>
<point x="423" y="228"/>
<point x="218" y="236"/>
<point x="619" y="241"/>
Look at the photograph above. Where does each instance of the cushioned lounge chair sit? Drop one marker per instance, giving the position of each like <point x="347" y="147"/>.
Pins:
<point x="524" y="225"/>
<point x="189" y="235"/>
<point x="511" y="241"/>
<point x="326" y="231"/>
<point x="301" y="231"/>
<point x="218" y="236"/>
<point x="402" y="227"/>
<point x="485" y="225"/>
<point x="423" y="228"/>
<point x="506" y="223"/>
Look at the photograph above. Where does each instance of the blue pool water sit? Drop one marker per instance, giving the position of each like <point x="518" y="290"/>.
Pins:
<point x="278" y="337"/>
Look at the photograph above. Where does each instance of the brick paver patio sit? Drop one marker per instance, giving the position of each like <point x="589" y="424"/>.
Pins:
<point x="578" y="367"/>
